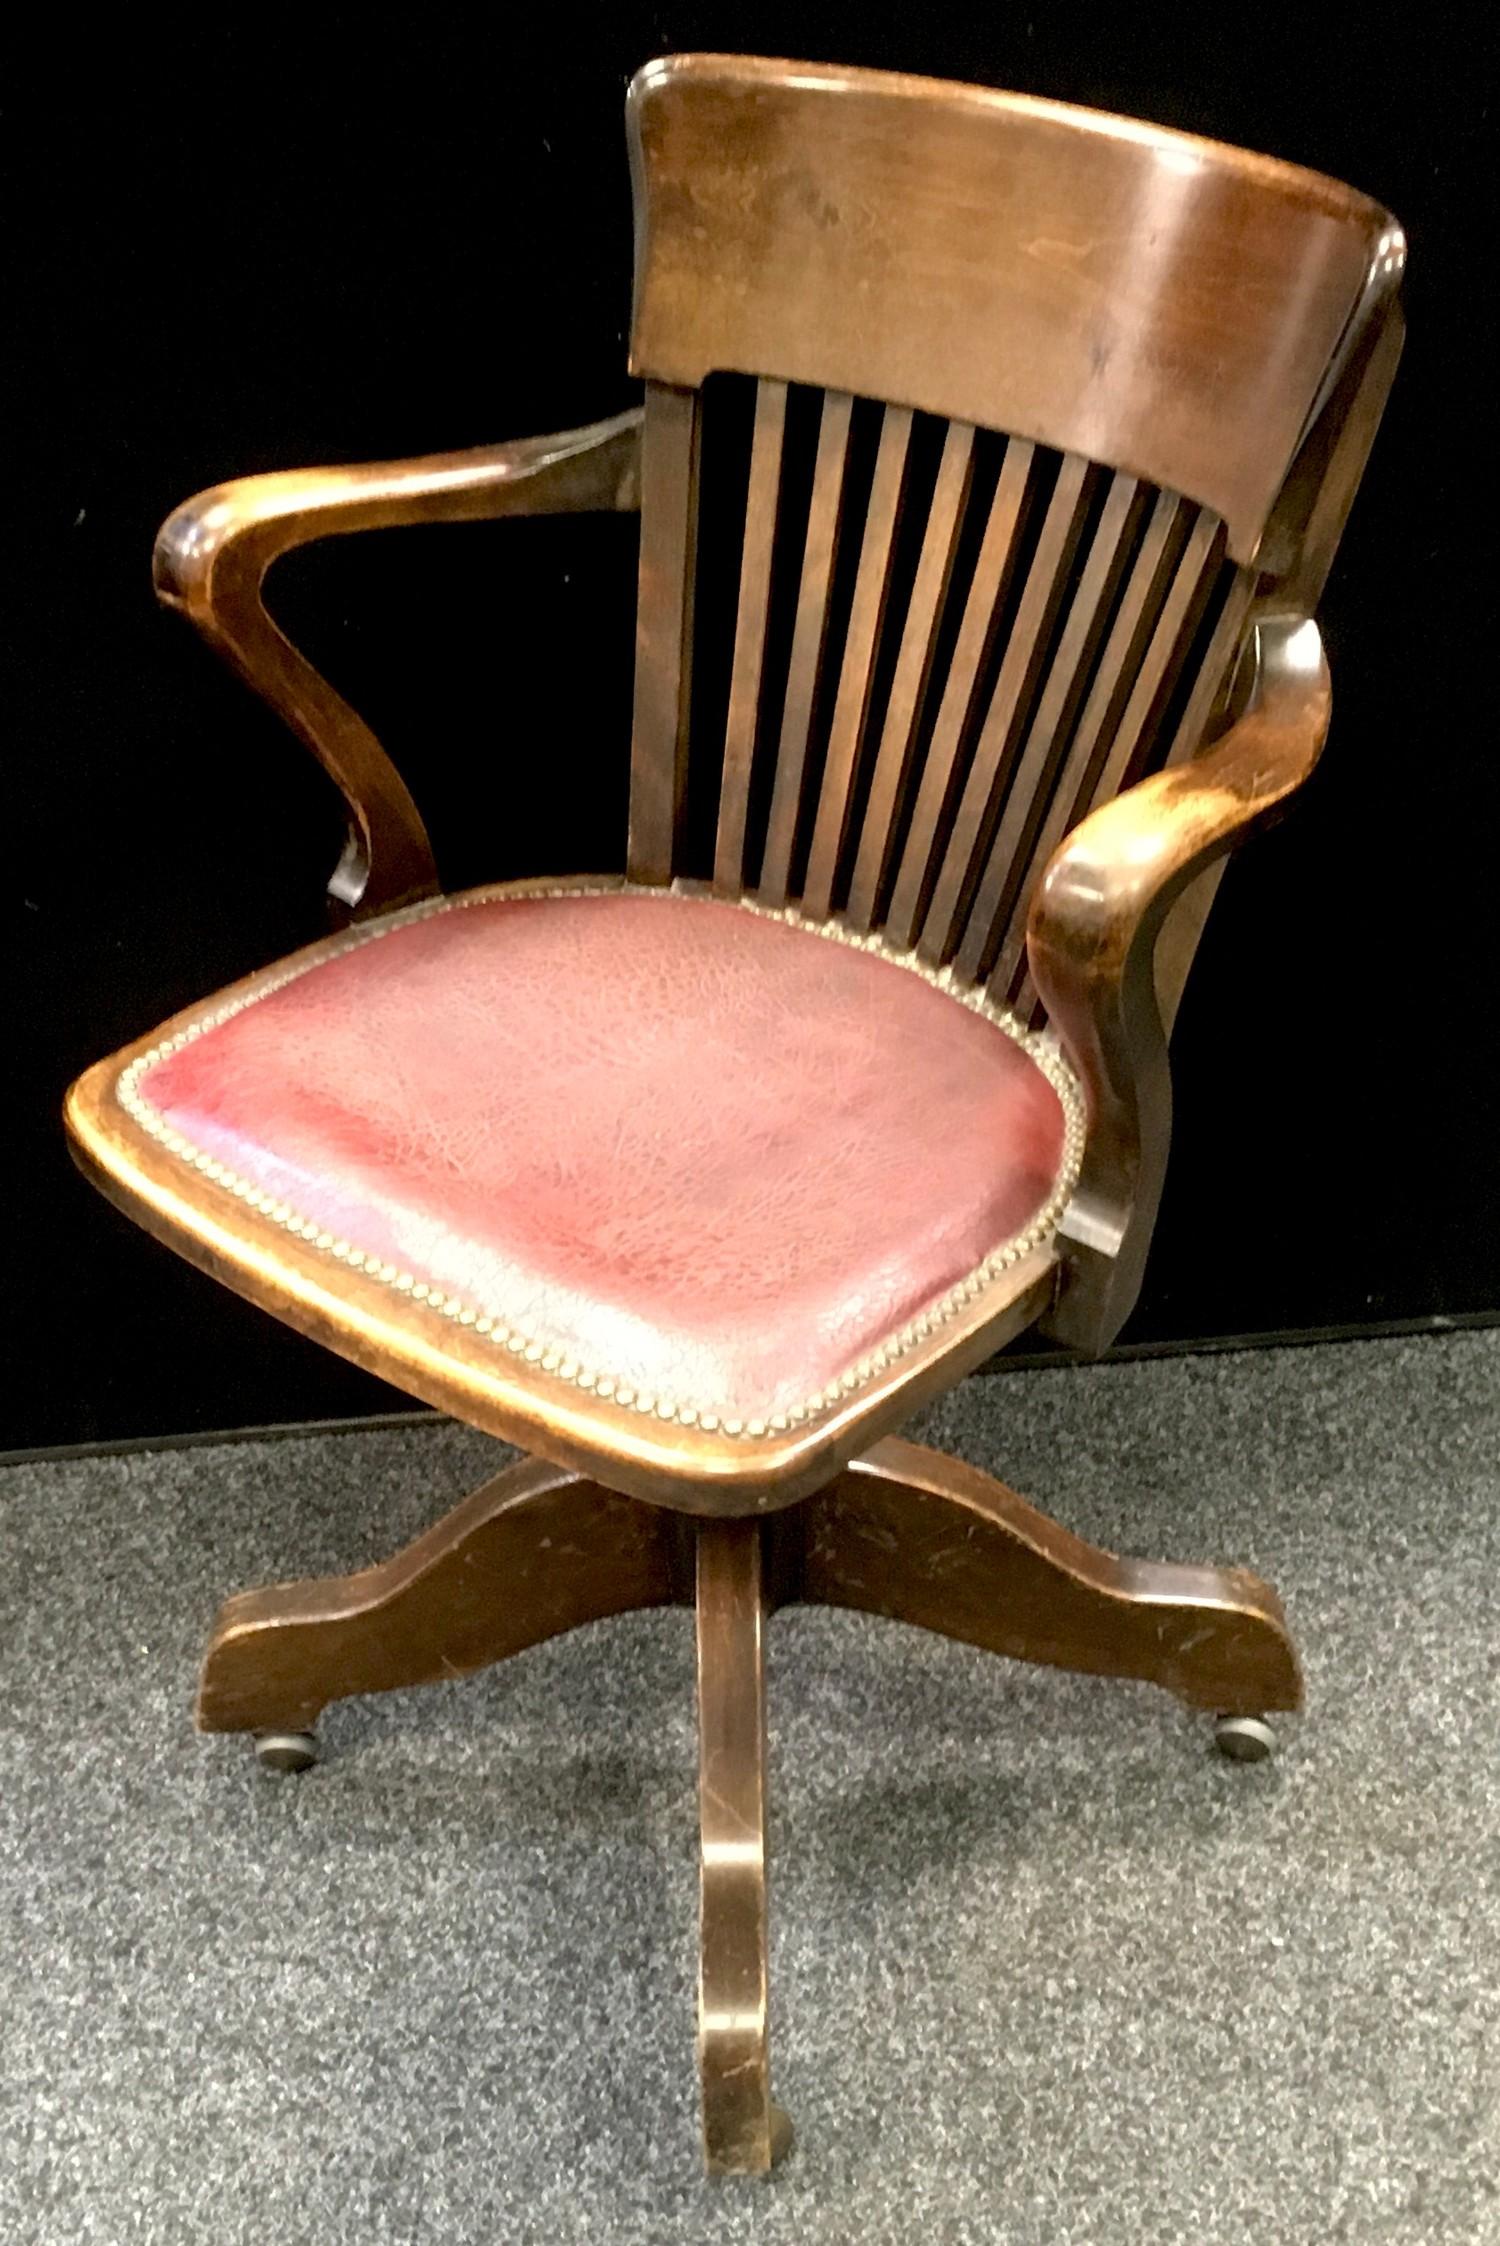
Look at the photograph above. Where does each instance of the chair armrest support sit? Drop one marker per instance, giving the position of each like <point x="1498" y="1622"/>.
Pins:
<point x="1092" y="940"/>
<point x="213" y="553"/>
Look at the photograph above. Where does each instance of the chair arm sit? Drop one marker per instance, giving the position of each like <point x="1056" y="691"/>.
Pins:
<point x="1092" y="939"/>
<point x="212" y="555"/>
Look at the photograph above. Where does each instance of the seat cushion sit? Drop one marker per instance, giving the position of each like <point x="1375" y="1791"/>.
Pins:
<point x="691" y="1155"/>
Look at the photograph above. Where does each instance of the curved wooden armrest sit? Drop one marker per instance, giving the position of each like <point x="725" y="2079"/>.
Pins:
<point x="1092" y="940"/>
<point x="212" y="555"/>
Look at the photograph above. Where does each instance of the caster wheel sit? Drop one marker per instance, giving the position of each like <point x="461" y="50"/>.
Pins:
<point x="1244" y="1738"/>
<point x="286" y="1750"/>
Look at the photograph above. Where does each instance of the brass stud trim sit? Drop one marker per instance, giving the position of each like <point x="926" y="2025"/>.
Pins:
<point x="551" y="1358"/>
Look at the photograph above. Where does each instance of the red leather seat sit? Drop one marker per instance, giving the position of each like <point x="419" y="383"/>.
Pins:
<point x="693" y="1156"/>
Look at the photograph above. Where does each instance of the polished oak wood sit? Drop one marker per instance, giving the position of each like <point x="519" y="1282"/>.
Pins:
<point x="922" y="1538"/>
<point x="663" y="630"/>
<point x="857" y="670"/>
<point x="1041" y="595"/>
<point x="911" y="683"/>
<point x="758" y="555"/>
<point x="1108" y="288"/>
<point x="1088" y="403"/>
<point x="824" y="519"/>
<point x="536" y="1551"/>
<point x="985" y="596"/>
<point x="1005" y="863"/>
<point x="1102" y="742"/>
<point x="211" y="560"/>
<point x="1093" y="936"/>
<point x="743" y="2131"/>
<point x="904" y="1533"/>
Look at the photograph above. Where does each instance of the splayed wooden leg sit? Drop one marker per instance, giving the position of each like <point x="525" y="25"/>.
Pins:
<point x="924" y="1538"/>
<point x="537" y="1551"/>
<point x="743" y="2132"/>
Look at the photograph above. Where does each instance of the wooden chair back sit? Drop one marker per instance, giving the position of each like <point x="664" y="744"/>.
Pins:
<point x="977" y="430"/>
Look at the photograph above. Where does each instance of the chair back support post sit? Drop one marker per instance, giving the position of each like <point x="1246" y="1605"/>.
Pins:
<point x="664" y="629"/>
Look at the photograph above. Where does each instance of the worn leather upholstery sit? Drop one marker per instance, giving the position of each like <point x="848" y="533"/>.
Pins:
<point x="693" y="1146"/>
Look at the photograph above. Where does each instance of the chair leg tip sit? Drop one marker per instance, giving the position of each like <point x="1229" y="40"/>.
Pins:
<point x="283" y="1751"/>
<point x="756" y="2151"/>
<point x="1244" y="1738"/>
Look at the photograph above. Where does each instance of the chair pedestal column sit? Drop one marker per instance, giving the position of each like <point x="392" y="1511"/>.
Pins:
<point x="743" y="2132"/>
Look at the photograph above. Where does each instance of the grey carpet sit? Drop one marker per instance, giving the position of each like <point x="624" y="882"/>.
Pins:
<point x="1045" y="1970"/>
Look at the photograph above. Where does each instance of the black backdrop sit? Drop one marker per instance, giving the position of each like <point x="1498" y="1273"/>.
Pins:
<point x="277" y="240"/>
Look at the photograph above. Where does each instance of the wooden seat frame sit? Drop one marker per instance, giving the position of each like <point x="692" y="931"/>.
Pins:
<point x="1227" y="345"/>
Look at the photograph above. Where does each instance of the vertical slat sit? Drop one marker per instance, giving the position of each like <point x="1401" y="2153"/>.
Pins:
<point x="1044" y="580"/>
<point x="909" y="682"/>
<point x="986" y="589"/>
<point x="1128" y="638"/>
<point x="664" y="629"/>
<point x="1026" y="803"/>
<point x="807" y="644"/>
<point x="756" y="554"/>
<point x="851" y="709"/>
<point x="1179" y="612"/>
<point x="1177" y="944"/>
<point x="1213" y="674"/>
